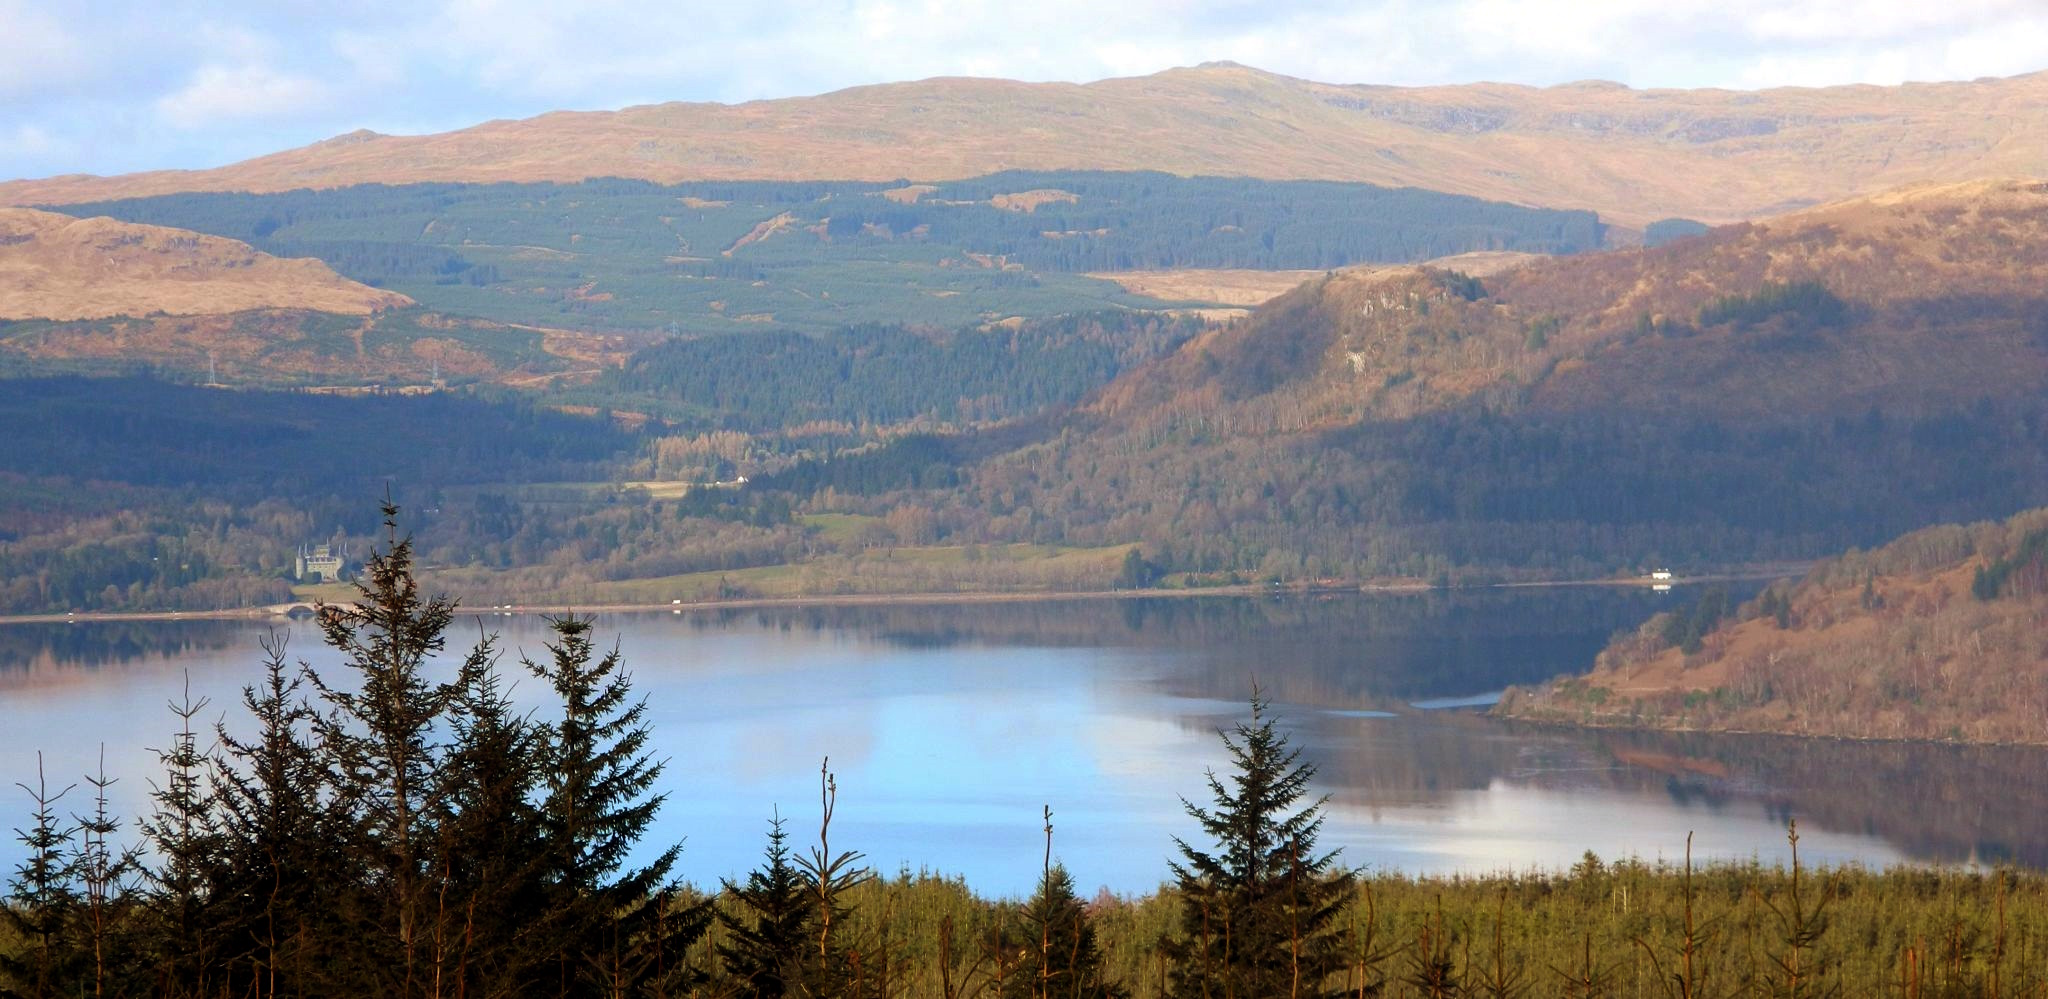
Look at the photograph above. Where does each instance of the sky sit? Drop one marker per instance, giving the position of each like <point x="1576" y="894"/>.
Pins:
<point x="112" y="86"/>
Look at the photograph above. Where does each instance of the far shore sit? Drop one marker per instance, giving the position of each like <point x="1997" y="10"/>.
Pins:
<point x="269" y="611"/>
<point x="1619" y="724"/>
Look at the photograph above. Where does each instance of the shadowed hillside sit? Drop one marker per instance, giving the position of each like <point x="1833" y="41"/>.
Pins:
<point x="1635" y="156"/>
<point x="1934" y="636"/>
<point x="1766" y="391"/>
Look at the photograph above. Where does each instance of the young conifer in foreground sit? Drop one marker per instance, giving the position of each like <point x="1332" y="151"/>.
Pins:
<point x="490" y="853"/>
<point x="620" y="929"/>
<point x="1258" y="916"/>
<point x="767" y="923"/>
<point x="273" y="884"/>
<point x="1060" y="955"/>
<point x="384" y="746"/>
<point x="181" y="830"/>
<point x="42" y="900"/>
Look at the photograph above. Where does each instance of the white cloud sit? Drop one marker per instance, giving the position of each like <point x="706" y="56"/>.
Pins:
<point x="42" y="54"/>
<point x="220" y="94"/>
<point x="30" y="141"/>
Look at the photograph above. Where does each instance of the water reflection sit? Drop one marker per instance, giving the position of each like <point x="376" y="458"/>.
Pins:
<point x="48" y="652"/>
<point x="951" y="725"/>
<point x="1326" y="650"/>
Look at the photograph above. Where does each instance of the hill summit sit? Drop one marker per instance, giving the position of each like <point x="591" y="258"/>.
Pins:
<point x="57" y="267"/>
<point x="1633" y="155"/>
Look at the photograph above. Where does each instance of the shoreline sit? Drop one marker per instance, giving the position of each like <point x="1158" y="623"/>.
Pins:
<point x="1387" y="586"/>
<point x="1603" y="725"/>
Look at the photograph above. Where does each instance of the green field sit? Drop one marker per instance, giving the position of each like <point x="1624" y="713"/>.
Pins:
<point x="844" y="569"/>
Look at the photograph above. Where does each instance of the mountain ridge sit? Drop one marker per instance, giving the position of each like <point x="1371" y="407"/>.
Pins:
<point x="1633" y="155"/>
<point x="1762" y="392"/>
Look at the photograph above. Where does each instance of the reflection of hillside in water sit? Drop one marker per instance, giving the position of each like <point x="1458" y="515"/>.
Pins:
<point x="1335" y="650"/>
<point x="1948" y="804"/>
<point x="1405" y="761"/>
<point x="1945" y="803"/>
<point x="48" y="653"/>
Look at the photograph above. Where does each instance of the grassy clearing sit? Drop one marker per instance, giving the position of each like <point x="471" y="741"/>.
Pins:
<point x="324" y="592"/>
<point x="934" y="569"/>
<point x="839" y="528"/>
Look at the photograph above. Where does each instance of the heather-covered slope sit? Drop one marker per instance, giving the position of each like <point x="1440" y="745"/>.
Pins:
<point x="57" y="267"/>
<point x="99" y="296"/>
<point x="1634" y="156"/>
<point x="1770" y="391"/>
<point x="1937" y="635"/>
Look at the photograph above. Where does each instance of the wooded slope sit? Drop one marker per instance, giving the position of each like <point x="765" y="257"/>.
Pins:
<point x="1937" y="635"/>
<point x="1763" y="392"/>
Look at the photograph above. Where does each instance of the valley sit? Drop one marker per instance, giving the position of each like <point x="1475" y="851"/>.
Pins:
<point x="1553" y="537"/>
<point x="1762" y="392"/>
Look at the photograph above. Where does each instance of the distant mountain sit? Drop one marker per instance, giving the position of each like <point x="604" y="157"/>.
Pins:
<point x="1763" y="391"/>
<point x="1634" y="156"/>
<point x="1934" y="636"/>
<point x="58" y="267"/>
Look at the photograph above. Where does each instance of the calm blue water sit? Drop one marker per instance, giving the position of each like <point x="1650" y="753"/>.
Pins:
<point x="950" y="727"/>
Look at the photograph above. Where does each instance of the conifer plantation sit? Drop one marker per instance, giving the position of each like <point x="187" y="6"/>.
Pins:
<point x="398" y="828"/>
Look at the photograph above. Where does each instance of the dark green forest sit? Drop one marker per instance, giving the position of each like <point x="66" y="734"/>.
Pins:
<point x="1664" y="231"/>
<point x="246" y="446"/>
<point x="394" y="827"/>
<point x="131" y="492"/>
<point x="886" y="374"/>
<point x="621" y="254"/>
<point x="1472" y="490"/>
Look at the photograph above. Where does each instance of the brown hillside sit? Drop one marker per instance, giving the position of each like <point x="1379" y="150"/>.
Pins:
<point x="1891" y="644"/>
<point x="57" y="267"/>
<point x="1941" y="286"/>
<point x="1240" y="288"/>
<point x="1635" y="156"/>
<point x="297" y="347"/>
<point x="1574" y="416"/>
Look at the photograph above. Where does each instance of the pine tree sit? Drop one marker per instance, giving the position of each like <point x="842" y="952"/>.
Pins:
<point x="42" y="904"/>
<point x="767" y="923"/>
<point x="619" y="928"/>
<point x="1060" y="955"/>
<point x="382" y="743"/>
<point x="491" y="857"/>
<point x="104" y="875"/>
<point x="275" y="890"/>
<point x="1258" y="914"/>
<point x="182" y="832"/>
<point x="829" y="967"/>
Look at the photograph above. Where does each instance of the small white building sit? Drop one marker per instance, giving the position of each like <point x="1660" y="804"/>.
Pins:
<point x="1660" y="576"/>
